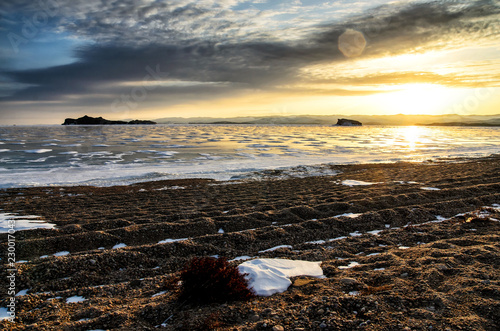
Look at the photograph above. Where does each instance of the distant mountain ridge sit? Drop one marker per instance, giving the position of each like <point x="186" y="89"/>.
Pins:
<point x="396" y="120"/>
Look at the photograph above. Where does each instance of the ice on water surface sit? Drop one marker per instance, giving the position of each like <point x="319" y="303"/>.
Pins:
<point x="117" y="155"/>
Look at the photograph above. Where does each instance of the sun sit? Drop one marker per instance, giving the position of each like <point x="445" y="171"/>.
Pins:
<point x="417" y="99"/>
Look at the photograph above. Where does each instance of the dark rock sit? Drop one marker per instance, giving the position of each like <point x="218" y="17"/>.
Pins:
<point x="347" y="122"/>
<point x="88" y="120"/>
<point x="141" y="122"/>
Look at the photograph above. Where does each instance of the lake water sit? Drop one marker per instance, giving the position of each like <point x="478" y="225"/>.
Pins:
<point x="116" y="155"/>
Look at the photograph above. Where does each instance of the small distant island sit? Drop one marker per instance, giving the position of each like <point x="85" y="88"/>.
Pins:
<point x="88" y="120"/>
<point x="347" y="122"/>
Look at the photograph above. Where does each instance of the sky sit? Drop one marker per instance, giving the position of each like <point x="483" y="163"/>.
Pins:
<point x="151" y="59"/>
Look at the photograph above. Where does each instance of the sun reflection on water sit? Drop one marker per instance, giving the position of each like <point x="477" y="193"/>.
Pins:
<point x="412" y="136"/>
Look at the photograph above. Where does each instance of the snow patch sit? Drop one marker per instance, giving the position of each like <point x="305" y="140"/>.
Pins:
<point x="275" y="248"/>
<point x="430" y="188"/>
<point x="9" y="221"/>
<point x="350" y="215"/>
<point x="317" y="242"/>
<point x="158" y="294"/>
<point x="170" y="188"/>
<point x="269" y="276"/>
<point x="351" y="183"/>
<point x="350" y="265"/>
<point x="4" y="314"/>
<point x="166" y="241"/>
<point x="241" y="258"/>
<point x="75" y="299"/>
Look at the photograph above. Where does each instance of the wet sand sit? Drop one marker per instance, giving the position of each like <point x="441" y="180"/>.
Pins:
<point x="425" y="237"/>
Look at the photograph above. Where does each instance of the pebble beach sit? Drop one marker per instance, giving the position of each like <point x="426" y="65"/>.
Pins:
<point x="402" y="246"/>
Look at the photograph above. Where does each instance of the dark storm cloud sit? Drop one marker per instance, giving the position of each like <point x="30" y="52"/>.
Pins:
<point x="392" y="30"/>
<point x="183" y="42"/>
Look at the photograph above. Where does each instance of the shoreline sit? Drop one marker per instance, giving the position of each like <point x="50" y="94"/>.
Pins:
<point x="277" y="173"/>
<point x="424" y="237"/>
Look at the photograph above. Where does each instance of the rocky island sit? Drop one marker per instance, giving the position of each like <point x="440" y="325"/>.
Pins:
<point x="347" y="122"/>
<point x="88" y="120"/>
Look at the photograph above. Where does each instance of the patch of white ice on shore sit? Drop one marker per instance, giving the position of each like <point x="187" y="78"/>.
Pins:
<point x="62" y="253"/>
<point x="22" y="292"/>
<point x="269" y="276"/>
<point x="166" y="241"/>
<point x="75" y="299"/>
<point x="241" y="258"/>
<point x="430" y="189"/>
<point x="12" y="221"/>
<point x="170" y="188"/>
<point x="121" y="245"/>
<point x="350" y="265"/>
<point x="316" y="242"/>
<point x="275" y="248"/>
<point x="350" y="215"/>
<point x="4" y="314"/>
<point x="158" y="294"/>
<point x="352" y="182"/>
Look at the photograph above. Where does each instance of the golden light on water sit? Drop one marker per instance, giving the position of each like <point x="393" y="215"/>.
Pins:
<point x="412" y="136"/>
